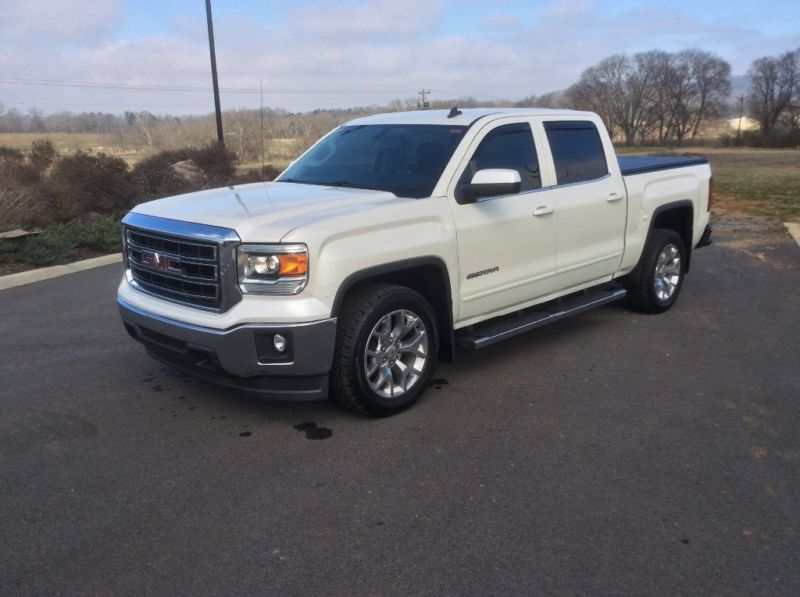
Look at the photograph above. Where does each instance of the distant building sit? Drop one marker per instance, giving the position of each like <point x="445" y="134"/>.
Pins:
<point x="748" y="124"/>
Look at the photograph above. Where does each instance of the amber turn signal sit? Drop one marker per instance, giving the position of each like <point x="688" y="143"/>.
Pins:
<point x="293" y="264"/>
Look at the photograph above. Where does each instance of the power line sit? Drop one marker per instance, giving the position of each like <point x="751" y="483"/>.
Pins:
<point x="190" y="89"/>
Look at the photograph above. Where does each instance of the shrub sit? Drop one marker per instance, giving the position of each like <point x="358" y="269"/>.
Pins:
<point x="84" y="184"/>
<point x="217" y="162"/>
<point x="14" y="170"/>
<point x="45" y="249"/>
<point x="156" y="177"/>
<point x="16" y="206"/>
<point x="266" y="174"/>
<point x="58" y="244"/>
<point x="269" y="172"/>
<point x="43" y="153"/>
<point x="789" y="138"/>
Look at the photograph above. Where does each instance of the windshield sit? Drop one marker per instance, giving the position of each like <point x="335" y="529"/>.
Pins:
<point x="404" y="159"/>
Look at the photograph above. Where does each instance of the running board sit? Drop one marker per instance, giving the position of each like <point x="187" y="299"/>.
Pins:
<point x="488" y="333"/>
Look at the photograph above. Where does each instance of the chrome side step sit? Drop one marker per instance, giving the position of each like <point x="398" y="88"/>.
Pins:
<point x="488" y="333"/>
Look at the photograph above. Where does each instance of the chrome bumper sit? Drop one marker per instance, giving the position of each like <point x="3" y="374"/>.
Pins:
<point x="241" y="357"/>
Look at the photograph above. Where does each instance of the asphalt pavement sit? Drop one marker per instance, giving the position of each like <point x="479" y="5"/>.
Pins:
<point x="612" y="453"/>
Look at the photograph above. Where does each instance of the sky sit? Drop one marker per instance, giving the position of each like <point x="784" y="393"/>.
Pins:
<point x="344" y="53"/>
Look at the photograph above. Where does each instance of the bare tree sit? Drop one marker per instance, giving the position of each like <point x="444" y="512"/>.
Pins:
<point x="697" y="84"/>
<point x="654" y="95"/>
<point x="622" y="90"/>
<point x="773" y="86"/>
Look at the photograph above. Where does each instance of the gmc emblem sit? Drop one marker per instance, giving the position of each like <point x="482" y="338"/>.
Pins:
<point x="160" y="262"/>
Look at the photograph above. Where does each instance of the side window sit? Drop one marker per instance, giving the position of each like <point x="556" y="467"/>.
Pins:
<point x="509" y="146"/>
<point x="577" y="150"/>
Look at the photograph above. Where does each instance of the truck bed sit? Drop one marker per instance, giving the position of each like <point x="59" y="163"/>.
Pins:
<point x="637" y="164"/>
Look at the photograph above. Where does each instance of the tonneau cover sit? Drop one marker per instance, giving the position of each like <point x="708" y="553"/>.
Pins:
<point x="638" y="164"/>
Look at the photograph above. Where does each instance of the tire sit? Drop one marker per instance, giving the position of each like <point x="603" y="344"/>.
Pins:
<point x="384" y="330"/>
<point x="654" y="285"/>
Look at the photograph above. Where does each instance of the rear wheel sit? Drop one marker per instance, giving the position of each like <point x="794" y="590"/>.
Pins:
<point x="386" y="349"/>
<point x="654" y="286"/>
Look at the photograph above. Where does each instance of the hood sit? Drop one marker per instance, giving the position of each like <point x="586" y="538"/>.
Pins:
<point x="264" y="212"/>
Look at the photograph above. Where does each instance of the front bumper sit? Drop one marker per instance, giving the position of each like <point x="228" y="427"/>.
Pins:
<point x="242" y="356"/>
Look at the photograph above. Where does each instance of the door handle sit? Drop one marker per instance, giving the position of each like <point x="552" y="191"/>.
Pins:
<point x="543" y="210"/>
<point x="611" y="197"/>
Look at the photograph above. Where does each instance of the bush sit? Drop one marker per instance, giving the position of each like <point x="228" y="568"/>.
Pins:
<point x="773" y="140"/>
<point x="84" y="184"/>
<point x="156" y="177"/>
<point x="14" y="170"/>
<point x="43" y="154"/>
<point x="217" y="162"/>
<point x="58" y="244"/>
<point x="16" y="205"/>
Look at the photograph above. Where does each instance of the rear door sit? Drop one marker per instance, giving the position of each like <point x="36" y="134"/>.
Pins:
<point x="506" y="254"/>
<point x="590" y="197"/>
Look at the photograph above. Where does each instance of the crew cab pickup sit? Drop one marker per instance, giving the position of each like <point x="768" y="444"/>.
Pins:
<point x="397" y="237"/>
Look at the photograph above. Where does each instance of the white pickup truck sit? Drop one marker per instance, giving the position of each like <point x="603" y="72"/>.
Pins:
<point x="398" y="236"/>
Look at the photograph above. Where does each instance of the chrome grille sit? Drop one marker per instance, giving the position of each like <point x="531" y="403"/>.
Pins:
<point x="175" y="268"/>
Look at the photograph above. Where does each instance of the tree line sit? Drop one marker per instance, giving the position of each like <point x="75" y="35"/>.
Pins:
<point x="649" y="97"/>
<point x="655" y="96"/>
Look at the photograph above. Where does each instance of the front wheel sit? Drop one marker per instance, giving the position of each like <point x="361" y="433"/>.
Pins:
<point x="386" y="350"/>
<point x="654" y="286"/>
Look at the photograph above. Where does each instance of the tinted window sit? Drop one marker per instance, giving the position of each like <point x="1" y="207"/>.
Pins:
<point x="577" y="151"/>
<point x="509" y="146"/>
<point x="406" y="160"/>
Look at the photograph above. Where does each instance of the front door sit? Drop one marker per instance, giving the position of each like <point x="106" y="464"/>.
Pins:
<point x="506" y="253"/>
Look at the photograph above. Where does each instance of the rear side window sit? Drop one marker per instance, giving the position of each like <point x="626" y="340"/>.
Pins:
<point x="577" y="150"/>
<point x="509" y="146"/>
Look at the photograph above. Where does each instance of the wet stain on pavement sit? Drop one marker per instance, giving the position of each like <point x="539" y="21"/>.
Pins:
<point x="313" y="432"/>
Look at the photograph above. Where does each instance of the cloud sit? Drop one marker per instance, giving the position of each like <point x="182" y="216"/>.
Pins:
<point x="41" y="22"/>
<point x="392" y="18"/>
<point x="500" y="21"/>
<point x="565" y="9"/>
<point x="375" y="51"/>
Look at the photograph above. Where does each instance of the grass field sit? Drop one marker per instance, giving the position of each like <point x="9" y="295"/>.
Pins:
<point x="758" y="182"/>
<point x="64" y="142"/>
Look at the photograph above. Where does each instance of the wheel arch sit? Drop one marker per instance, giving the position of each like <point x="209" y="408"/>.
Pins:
<point x="677" y="216"/>
<point x="428" y="276"/>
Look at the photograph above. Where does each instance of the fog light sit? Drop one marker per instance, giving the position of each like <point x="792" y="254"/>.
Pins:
<point x="279" y="342"/>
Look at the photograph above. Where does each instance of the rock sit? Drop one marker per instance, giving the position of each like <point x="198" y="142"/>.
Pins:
<point x="188" y="170"/>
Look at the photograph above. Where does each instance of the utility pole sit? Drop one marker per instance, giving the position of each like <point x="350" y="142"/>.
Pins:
<point x="741" y="114"/>
<point x="261" y="87"/>
<point x="218" y="110"/>
<point x="423" y="104"/>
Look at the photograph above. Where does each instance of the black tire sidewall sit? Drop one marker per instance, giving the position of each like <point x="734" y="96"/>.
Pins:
<point x="401" y="299"/>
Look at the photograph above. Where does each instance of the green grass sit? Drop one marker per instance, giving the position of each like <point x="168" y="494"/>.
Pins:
<point x="758" y="182"/>
<point x="61" y="244"/>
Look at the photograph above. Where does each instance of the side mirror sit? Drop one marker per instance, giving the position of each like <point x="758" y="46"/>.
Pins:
<point x="491" y="182"/>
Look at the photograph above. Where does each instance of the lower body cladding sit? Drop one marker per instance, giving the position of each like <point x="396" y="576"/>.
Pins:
<point x="246" y="357"/>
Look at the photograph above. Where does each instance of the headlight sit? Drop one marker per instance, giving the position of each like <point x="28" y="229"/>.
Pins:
<point x="272" y="269"/>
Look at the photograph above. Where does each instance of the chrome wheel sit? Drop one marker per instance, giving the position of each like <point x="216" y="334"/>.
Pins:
<point x="668" y="273"/>
<point x="396" y="353"/>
